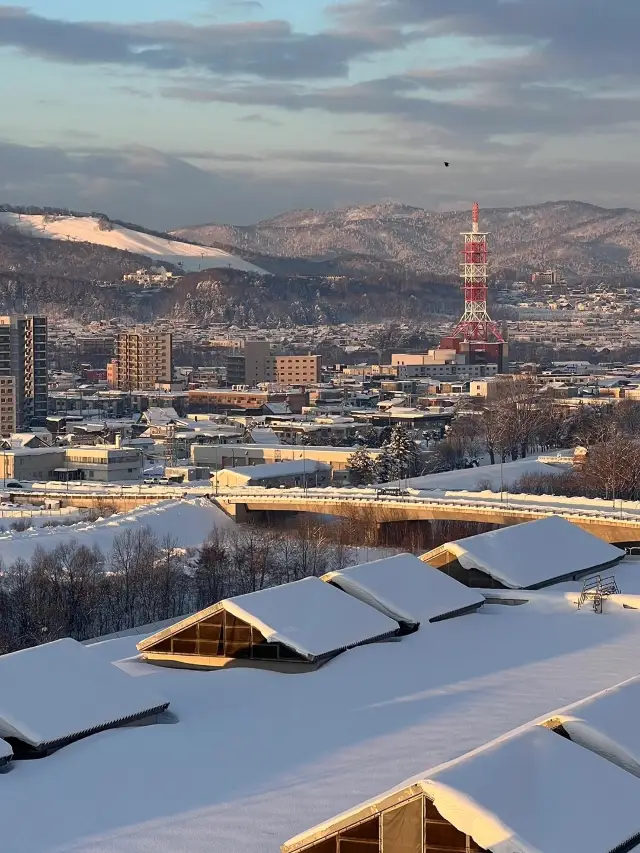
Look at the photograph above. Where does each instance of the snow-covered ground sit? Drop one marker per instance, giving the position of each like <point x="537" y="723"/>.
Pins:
<point x="86" y="229"/>
<point x="476" y="478"/>
<point x="258" y="756"/>
<point x="188" y="523"/>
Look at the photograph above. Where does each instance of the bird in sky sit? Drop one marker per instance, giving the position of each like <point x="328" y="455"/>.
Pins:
<point x="446" y="164"/>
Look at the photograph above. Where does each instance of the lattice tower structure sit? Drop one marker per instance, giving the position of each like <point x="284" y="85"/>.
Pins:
<point x="476" y="324"/>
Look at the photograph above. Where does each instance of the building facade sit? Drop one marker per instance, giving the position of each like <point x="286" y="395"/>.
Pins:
<point x="256" y="364"/>
<point x="7" y="405"/>
<point x="23" y="356"/>
<point x="142" y="360"/>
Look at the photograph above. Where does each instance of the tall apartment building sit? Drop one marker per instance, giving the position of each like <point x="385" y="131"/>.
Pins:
<point x="23" y="356"/>
<point x="142" y="359"/>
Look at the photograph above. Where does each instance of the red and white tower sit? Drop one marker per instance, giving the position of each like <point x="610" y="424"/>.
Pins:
<point x="476" y="324"/>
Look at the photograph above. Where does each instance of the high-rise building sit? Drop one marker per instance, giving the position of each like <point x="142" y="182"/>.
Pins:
<point x="23" y="356"/>
<point x="142" y="359"/>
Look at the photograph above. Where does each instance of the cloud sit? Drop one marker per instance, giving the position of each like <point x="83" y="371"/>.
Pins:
<point x="268" y="49"/>
<point x="578" y="38"/>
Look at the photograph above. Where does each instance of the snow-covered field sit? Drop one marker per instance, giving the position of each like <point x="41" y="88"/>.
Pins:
<point x="258" y="756"/>
<point x="86" y="230"/>
<point x="188" y="523"/>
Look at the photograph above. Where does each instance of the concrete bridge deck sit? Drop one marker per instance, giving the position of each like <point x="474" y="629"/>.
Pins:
<point x="613" y="524"/>
<point x="617" y="521"/>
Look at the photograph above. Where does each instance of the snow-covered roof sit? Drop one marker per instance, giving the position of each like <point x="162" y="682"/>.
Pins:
<point x="531" y="792"/>
<point x="187" y="522"/>
<point x="289" y="468"/>
<point x="524" y="793"/>
<point x="159" y="416"/>
<point x="298" y="749"/>
<point x="264" y="435"/>
<point x="607" y="724"/>
<point x="406" y="589"/>
<point x="309" y="616"/>
<point x="6" y="752"/>
<point x="525" y="556"/>
<point x="60" y="691"/>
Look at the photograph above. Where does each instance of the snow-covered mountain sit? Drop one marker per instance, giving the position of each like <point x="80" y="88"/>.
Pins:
<point x="92" y="229"/>
<point x="575" y="237"/>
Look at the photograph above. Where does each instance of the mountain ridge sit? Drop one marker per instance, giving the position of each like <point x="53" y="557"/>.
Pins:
<point x="578" y="238"/>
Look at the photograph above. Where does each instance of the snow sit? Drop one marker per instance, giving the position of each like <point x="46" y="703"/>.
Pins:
<point x="406" y="589"/>
<point x="608" y="725"/>
<point x="85" y="229"/>
<point x="61" y="690"/>
<point x="187" y="522"/>
<point x="311" y="617"/>
<point x="531" y="793"/>
<point x="259" y="756"/>
<point x="474" y="478"/>
<point x="290" y="468"/>
<point x="534" y="553"/>
<point x="6" y="751"/>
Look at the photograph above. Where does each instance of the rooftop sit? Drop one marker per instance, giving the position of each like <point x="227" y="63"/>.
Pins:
<point x="261" y="756"/>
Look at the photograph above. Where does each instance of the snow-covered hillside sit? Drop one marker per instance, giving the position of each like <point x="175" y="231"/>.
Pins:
<point x="87" y="229"/>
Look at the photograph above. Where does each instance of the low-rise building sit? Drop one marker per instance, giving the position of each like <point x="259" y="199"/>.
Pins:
<point x="302" y="472"/>
<point x="106" y="463"/>
<point x="232" y="456"/>
<point x="25" y="463"/>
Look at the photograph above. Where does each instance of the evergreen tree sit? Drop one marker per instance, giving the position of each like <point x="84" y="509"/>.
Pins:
<point x="387" y="468"/>
<point x="362" y="468"/>
<point x="402" y="449"/>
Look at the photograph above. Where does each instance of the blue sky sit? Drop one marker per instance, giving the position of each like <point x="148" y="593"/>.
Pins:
<point x="176" y="112"/>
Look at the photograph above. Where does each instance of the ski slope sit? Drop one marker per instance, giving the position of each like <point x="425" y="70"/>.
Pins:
<point x="86" y="229"/>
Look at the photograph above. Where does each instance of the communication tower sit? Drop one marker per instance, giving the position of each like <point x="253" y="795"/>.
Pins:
<point x="476" y="324"/>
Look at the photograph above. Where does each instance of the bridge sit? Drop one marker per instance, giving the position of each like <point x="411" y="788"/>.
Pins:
<point x="614" y="521"/>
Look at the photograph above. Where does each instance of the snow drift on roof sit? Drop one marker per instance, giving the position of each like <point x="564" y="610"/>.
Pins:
<point x="6" y="752"/>
<point x="530" y="793"/>
<point x="534" y="553"/>
<point x="311" y="617"/>
<point x="86" y="229"/>
<point x="288" y="468"/>
<point x="406" y="589"/>
<point x="607" y="724"/>
<point x="61" y="690"/>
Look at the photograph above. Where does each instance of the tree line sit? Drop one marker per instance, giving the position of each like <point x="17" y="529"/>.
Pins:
<point x="80" y="592"/>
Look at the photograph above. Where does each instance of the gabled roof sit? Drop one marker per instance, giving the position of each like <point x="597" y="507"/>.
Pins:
<point x="309" y="616"/>
<point x="533" y="554"/>
<point x="406" y="589"/>
<point x="159" y="416"/>
<point x="607" y="724"/>
<point x="531" y="791"/>
<point x="6" y="752"/>
<point x="58" y="692"/>
<point x="528" y="792"/>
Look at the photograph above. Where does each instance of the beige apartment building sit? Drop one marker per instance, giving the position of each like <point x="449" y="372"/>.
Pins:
<point x="142" y="359"/>
<point x="7" y="406"/>
<point x="296" y="369"/>
<point x="255" y="364"/>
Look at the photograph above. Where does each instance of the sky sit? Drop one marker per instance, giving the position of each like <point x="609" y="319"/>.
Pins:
<point x="179" y="112"/>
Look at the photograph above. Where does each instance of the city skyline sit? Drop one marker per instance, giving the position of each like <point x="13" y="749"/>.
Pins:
<point x="173" y="113"/>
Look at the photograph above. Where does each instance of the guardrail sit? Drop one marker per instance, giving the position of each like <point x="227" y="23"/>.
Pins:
<point x="260" y="495"/>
